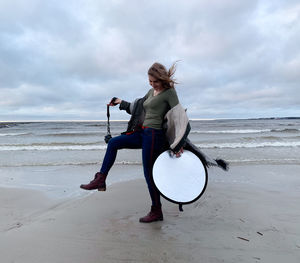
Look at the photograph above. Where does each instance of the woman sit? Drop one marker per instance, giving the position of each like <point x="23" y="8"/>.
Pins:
<point x="145" y="131"/>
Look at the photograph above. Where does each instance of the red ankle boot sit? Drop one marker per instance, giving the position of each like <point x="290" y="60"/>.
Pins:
<point x="154" y="215"/>
<point x="97" y="183"/>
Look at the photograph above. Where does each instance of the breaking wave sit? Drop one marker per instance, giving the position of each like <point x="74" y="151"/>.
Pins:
<point x="53" y="147"/>
<point x="249" y="145"/>
<point x="236" y="131"/>
<point x="15" y="134"/>
<point x="242" y="131"/>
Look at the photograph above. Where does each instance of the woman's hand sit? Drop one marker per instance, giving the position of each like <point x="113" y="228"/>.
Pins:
<point x="178" y="154"/>
<point x="114" y="101"/>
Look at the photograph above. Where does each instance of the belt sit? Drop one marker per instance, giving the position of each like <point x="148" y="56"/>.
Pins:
<point x="139" y="127"/>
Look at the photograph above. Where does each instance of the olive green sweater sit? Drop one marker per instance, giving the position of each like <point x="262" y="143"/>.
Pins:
<point x="157" y="106"/>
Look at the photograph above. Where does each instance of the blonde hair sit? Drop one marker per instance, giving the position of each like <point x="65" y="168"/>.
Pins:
<point x="160" y="72"/>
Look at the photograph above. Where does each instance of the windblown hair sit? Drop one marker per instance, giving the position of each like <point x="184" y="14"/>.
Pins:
<point x="159" y="72"/>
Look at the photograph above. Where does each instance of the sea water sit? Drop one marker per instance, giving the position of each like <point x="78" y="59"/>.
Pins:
<point x="57" y="156"/>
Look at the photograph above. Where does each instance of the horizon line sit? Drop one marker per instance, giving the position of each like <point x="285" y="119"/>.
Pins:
<point x="111" y="120"/>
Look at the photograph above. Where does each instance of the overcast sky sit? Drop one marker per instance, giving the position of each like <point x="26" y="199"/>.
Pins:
<point x="64" y="60"/>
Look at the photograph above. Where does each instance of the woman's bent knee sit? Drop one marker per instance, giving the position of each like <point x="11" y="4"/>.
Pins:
<point x="116" y="142"/>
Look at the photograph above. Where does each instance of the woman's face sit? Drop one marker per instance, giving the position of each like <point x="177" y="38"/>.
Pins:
<point x="155" y="83"/>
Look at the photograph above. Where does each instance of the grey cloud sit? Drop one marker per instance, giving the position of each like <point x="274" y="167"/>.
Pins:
<point x="65" y="59"/>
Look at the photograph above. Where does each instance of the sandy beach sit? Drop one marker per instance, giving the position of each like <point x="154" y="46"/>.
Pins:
<point x="250" y="214"/>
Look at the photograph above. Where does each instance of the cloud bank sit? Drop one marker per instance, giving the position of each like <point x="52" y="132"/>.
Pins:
<point x="65" y="59"/>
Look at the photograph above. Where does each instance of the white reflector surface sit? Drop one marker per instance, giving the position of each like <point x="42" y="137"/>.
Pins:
<point x="179" y="179"/>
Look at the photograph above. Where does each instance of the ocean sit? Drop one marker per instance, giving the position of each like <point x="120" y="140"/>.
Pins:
<point x="58" y="156"/>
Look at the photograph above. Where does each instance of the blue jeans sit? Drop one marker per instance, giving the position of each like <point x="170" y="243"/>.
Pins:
<point x="151" y="141"/>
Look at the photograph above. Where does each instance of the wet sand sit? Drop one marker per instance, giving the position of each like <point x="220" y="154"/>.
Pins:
<point x="250" y="214"/>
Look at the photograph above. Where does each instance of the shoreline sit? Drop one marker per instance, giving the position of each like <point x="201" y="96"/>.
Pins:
<point x="63" y="181"/>
<point x="59" y="182"/>
<point x="249" y="214"/>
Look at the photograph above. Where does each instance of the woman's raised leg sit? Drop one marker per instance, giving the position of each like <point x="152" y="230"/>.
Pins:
<point x="132" y="141"/>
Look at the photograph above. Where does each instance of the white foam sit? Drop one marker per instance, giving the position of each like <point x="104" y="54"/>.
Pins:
<point x="238" y="131"/>
<point x="52" y="147"/>
<point x="248" y="145"/>
<point x="14" y="134"/>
